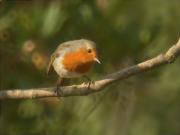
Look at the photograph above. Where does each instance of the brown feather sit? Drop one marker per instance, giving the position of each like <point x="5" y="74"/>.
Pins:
<point x="53" y="56"/>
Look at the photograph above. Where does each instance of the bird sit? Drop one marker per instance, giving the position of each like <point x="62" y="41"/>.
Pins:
<point x="73" y="59"/>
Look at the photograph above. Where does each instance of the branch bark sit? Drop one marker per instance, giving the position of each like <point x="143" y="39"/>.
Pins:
<point x="82" y="89"/>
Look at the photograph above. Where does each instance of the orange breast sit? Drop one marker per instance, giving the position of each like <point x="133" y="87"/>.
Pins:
<point x="79" y="61"/>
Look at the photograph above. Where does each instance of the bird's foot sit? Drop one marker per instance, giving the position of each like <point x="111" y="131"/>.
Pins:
<point x="58" y="91"/>
<point x="90" y="82"/>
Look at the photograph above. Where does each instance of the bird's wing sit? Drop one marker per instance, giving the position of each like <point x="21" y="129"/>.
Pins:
<point x="56" y="54"/>
<point x="53" y="56"/>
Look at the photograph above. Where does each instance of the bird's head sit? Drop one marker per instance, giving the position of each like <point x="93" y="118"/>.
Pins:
<point x="90" y="51"/>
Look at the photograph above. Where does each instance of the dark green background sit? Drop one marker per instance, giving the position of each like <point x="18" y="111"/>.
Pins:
<point x="126" y="32"/>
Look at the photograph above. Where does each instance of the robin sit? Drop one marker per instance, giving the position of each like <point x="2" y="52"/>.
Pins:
<point x="73" y="59"/>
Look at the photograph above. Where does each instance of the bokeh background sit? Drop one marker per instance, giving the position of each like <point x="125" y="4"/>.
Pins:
<point x="126" y="32"/>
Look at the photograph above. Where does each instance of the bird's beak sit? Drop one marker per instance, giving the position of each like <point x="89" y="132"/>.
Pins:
<point x="95" y="59"/>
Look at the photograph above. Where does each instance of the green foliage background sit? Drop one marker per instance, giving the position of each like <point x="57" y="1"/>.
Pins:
<point x="126" y="32"/>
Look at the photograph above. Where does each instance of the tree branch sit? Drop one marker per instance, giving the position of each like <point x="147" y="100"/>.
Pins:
<point x="82" y="89"/>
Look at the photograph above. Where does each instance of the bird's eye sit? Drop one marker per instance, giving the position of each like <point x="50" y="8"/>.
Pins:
<point x="89" y="50"/>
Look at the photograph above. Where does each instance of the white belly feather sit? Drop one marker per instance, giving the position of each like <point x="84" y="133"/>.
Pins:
<point x="61" y="71"/>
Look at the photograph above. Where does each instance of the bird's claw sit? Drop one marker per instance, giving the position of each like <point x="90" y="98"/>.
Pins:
<point x="89" y="83"/>
<point x="58" y="91"/>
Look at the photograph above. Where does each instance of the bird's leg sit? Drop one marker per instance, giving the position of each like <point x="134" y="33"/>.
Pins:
<point x="58" y="89"/>
<point x="89" y="81"/>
